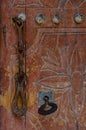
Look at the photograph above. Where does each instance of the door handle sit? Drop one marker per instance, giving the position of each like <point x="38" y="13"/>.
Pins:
<point x="20" y="76"/>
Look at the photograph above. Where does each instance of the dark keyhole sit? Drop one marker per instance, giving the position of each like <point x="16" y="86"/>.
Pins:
<point x="47" y="107"/>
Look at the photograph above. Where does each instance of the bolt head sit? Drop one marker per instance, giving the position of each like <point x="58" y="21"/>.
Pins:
<point x="79" y="18"/>
<point x="22" y="16"/>
<point x="40" y="19"/>
<point x="56" y="19"/>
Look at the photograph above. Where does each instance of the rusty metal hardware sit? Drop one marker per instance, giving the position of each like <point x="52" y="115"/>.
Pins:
<point x="20" y="77"/>
<point x="42" y="94"/>
<point x="4" y="34"/>
<point x="56" y="19"/>
<point x="79" y="18"/>
<point x="47" y="107"/>
<point x="40" y="19"/>
<point x="22" y="16"/>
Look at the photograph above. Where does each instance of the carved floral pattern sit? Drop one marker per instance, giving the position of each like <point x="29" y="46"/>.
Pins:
<point x="59" y="72"/>
<point x="44" y="3"/>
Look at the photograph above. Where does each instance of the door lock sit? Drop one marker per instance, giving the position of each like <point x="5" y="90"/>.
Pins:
<point x="48" y="107"/>
<point x="46" y="102"/>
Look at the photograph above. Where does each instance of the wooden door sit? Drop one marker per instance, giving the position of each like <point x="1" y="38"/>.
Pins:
<point x="56" y="60"/>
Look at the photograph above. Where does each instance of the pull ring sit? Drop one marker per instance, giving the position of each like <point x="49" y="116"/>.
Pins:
<point x="20" y="82"/>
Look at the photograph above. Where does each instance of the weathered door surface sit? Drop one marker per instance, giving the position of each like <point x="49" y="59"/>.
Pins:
<point x="55" y="61"/>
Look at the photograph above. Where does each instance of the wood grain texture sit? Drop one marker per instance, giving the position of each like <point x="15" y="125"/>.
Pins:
<point x="56" y="60"/>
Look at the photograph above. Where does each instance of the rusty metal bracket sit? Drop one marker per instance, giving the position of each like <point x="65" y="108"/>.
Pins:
<point x="20" y="76"/>
<point x="4" y="34"/>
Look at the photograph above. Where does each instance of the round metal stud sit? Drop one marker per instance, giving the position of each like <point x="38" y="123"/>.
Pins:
<point x="40" y="19"/>
<point x="79" y="18"/>
<point x="22" y="16"/>
<point x="56" y="19"/>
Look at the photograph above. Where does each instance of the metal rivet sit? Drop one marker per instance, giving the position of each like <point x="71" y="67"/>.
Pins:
<point x="40" y="18"/>
<point x="22" y="16"/>
<point x="79" y="18"/>
<point x="56" y="19"/>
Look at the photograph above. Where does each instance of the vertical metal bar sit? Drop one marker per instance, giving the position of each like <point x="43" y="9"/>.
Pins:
<point x="4" y="34"/>
<point x="20" y="77"/>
